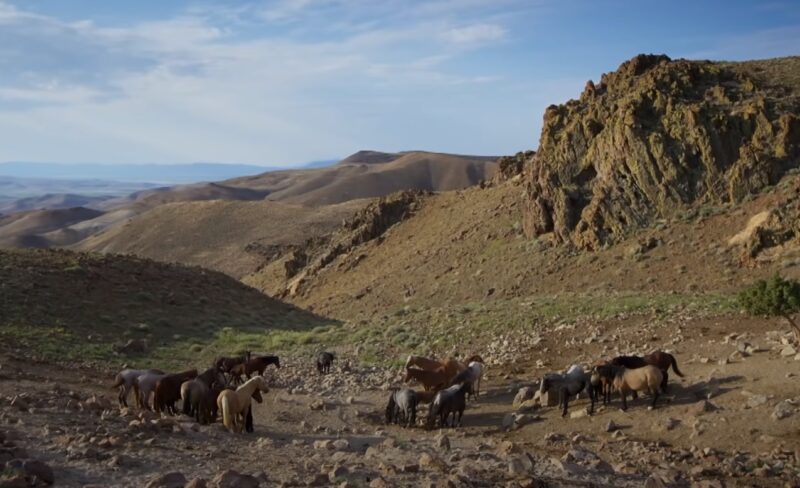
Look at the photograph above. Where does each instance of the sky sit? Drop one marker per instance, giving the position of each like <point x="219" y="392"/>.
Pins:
<point x="289" y="81"/>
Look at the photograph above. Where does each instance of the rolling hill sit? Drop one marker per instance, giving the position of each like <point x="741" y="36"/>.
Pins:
<point x="227" y="225"/>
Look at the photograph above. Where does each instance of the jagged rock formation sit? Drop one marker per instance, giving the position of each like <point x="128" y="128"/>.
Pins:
<point x="772" y="233"/>
<point x="658" y="134"/>
<point x="510" y="166"/>
<point x="366" y="225"/>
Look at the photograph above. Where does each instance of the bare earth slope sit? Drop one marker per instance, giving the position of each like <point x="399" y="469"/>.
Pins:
<point x="232" y="237"/>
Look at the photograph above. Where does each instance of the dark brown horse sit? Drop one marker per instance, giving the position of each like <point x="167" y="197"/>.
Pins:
<point x="168" y="391"/>
<point x="659" y="359"/>
<point x="255" y="365"/>
<point x="225" y="364"/>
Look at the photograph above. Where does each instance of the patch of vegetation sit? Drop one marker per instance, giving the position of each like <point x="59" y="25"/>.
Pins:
<point x="775" y="297"/>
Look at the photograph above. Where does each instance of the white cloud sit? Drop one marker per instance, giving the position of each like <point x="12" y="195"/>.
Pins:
<point x="474" y="34"/>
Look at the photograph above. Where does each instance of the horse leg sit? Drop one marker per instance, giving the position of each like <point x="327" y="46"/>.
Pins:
<point x="655" y="397"/>
<point x="564" y="397"/>
<point x="624" y="400"/>
<point x="664" y="379"/>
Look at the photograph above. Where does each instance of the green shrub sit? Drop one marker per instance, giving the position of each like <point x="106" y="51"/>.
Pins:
<point x="776" y="297"/>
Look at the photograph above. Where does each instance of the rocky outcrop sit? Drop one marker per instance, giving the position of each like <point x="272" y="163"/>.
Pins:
<point x="772" y="233"/>
<point x="510" y="166"/>
<point x="655" y="135"/>
<point x="370" y="223"/>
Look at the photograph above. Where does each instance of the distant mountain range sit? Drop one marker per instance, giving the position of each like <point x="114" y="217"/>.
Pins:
<point x="162" y="174"/>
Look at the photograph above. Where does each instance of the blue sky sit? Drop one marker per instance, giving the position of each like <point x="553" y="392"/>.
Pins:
<point x="288" y="81"/>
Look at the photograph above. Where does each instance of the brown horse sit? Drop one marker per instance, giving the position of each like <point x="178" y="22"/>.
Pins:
<point x="255" y="365"/>
<point x="451" y="366"/>
<point x="226" y="363"/>
<point x="168" y="391"/>
<point x="659" y="359"/>
<point x="431" y="380"/>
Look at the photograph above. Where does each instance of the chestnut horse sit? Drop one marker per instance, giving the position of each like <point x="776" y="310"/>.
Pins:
<point x="431" y="380"/>
<point x="257" y="364"/>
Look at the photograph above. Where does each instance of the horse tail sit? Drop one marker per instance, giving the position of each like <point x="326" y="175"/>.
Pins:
<point x="158" y="394"/>
<point x="118" y="381"/>
<point x="675" y="366"/>
<point x="187" y="401"/>
<point x="226" y="409"/>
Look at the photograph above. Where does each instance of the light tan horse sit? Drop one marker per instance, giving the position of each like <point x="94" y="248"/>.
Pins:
<point x="233" y="405"/>
<point x="645" y="379"/>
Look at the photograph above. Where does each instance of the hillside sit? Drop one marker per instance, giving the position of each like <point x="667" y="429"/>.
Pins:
<point x="657" y="136"/>
<point x="79" y="303"/>
<point x="234" y="237"/>
<point x="369" y="174"/>
<point x="171" y="224"/>
<point x="726" y="185"/>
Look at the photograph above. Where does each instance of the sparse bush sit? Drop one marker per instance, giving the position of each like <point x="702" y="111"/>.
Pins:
<point x="776" y="297"/>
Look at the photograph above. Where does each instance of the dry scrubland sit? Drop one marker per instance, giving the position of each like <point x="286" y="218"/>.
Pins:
<point x="575" y="253"/>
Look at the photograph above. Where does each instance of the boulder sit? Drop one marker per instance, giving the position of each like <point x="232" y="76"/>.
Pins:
<point x="525" y="393"/>
<point x="168" y="480"/>
<point x="782" y="410"/>
<point x="234" y="479"/>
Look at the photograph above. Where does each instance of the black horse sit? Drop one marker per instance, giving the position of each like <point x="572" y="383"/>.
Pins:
<point x="324" y="361"/>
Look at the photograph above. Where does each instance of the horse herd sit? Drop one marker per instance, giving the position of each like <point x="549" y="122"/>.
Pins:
<point x="447" y="383"/>
<point x="228" y="387"/>
<point x="204" y="396"/>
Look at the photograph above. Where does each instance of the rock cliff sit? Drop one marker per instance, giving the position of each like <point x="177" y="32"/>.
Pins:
<point x="657" y="135"/>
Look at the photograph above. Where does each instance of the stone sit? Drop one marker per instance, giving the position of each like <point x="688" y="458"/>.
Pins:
<point x="323" y="444"/>
<point x="525" y="393"/>
<point x="756" y="401"/>
<point x="196" y="483"/>
<point x="430" y="462"/>
<point x="317" y="405"/>
<point x="379" y="483"/>
<point x="670" y="423"/>
<point x="580" y="413"/>
<point x="168" y="480"/>
<point x="782" y="410"/>
<point x="341" y="444"/>
<point x="520" y="465"/>
<point x="321" y="479"/>
<point x="611" y="426"/>
<point x="788" y="351"/>
<point x="337" y="473"/>
<point x="233" y="479"/>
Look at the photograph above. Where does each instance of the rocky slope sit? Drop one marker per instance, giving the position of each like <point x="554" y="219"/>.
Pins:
<point x="657" y="135"/>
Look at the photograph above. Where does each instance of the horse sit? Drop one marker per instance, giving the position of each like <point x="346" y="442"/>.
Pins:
<point x="569" y="384"/>
<point x="233" y="405"/>
<point x="647" y="378"/>
<point x="257" y="364"/>
<point x="324" y="361"/>
<point x="603" y="381"/>
<point x="451" y="366"/>
<point x="402" y="406"/>
<point x="431" y="380"/>
<point x="168" y="391"/>
<point x="451" y="400"/>
<point x="125" y="381"/>
<point x="661" y="360"/>
<point x="143" y="386"/>
<point x="208" y="408"/>
<point x="226" y="363"/>
<point x="472" y="375"/>
<point x="193" y="391"/>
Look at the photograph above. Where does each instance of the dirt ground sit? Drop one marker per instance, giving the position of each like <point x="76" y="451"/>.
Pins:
<point x="66" y="416"/>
